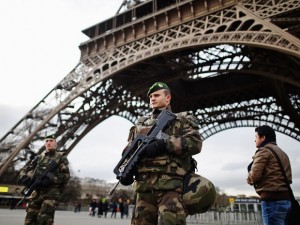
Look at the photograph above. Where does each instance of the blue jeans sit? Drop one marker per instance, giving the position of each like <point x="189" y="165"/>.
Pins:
<point x="274" y="212"/>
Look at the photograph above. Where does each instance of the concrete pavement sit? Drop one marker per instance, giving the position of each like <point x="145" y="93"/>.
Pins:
<point x="16" y="217"/>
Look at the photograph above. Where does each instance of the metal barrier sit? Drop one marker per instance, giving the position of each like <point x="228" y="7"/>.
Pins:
<point x="220" y="217"/>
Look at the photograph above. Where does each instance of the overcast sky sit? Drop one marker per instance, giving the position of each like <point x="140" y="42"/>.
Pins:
<point x="39" y="46"/>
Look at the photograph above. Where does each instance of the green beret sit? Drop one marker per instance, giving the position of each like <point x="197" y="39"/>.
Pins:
<point x="157" y="86"/>
<point x="51" y="136"/>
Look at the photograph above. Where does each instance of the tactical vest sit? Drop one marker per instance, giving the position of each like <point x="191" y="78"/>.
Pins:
<point x="166" y="163"/>
<point x="43" y="162"/>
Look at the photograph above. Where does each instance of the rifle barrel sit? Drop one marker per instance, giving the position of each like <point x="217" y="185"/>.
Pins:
<point x="113" y="188"/>
<point x="21" y="201"/>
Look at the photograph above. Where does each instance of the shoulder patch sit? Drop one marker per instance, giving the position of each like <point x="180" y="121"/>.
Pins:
<point x="192" y="120"/>
<point x="142" y="119"/>
<point x="62" y="157"/>
<point x="131" y="133"/>
<point x="181" y="114"/>
<point x="64" y="160"/>
<point x="40" y="156"/>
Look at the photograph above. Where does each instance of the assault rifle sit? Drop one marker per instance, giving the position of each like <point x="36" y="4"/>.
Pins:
<point x="28" y="190"/>
<point x="138" y="146"/>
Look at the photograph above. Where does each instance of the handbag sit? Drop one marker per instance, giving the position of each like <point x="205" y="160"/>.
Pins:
<point x="293" y="214"/>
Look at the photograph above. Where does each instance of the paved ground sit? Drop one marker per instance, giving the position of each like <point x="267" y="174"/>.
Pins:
<point x="16" y="217"/>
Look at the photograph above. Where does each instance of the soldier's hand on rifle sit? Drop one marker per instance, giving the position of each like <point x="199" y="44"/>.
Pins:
<point x="26" y="180"/>
<point x="46" y="180"/>
<point x="156" y="147"/>
<point x="127" y="180"/>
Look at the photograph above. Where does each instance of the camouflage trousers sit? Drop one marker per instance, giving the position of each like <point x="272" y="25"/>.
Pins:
<point x="40" y="211"/>
<point x="159" y="208"/>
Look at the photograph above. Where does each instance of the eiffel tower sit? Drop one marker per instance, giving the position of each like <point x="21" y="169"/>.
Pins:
<point x="233" y="63"/>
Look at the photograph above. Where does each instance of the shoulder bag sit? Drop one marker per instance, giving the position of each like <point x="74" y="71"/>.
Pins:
<point x="293" y="214"/>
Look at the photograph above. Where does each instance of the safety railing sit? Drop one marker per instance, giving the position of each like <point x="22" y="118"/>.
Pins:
<point x="226" y="217"/>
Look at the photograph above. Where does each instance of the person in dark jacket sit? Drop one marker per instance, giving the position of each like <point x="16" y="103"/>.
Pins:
<point x="105" y="208"/>
<point x="93" y="206"/>
<point x="121" y="208"/>
<point x="126" y="209"/>
<point x="114" y="208"/>
<point x="100" y="208"/>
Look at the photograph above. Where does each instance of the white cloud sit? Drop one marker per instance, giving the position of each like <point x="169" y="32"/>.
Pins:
<point x="39" y="43"/>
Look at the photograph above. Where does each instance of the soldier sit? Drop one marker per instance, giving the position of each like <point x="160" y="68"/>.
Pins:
<point x="158" y="177"/>
<point x="42" y="202"/>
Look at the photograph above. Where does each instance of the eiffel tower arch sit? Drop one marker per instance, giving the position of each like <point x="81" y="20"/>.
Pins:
<point x="233" y="63"/>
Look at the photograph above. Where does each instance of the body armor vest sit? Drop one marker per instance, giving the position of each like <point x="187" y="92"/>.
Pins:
<point x="167" y="163"/>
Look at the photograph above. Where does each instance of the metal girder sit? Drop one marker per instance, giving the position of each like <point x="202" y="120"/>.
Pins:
<point x="232" y="63"/>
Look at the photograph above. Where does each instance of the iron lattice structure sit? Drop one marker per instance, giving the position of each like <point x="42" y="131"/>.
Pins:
<point x="231" y="63"/>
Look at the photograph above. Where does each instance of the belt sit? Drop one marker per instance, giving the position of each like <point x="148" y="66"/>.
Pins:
<point x="145" y="176"/>
<point x="274" y="195"/>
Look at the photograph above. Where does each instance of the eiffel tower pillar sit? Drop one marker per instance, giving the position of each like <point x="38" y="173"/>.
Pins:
<point x="233" y="63"/>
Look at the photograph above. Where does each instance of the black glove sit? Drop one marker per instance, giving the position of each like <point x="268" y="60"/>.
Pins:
<point x="26" y="180"/>
<point x="127" y="180"/>
<point x="46" y="181"/>
<point x="249" y="167"/>
<point x="156" y="147"/>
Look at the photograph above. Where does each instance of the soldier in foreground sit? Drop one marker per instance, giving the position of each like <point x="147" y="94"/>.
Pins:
<point x="159" y="175"/>
<point x="44" y="198"/>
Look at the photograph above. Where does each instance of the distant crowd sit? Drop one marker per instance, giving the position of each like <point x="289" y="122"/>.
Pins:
<point x="102" y="207"/>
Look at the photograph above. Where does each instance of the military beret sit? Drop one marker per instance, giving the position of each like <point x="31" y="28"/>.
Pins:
<point x="51" y="136"/>
<point x="157" y="86"/>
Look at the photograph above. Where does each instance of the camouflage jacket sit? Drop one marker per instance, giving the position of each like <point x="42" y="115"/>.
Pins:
<point x="183" y="141"/>
<point x="59" y="177"/>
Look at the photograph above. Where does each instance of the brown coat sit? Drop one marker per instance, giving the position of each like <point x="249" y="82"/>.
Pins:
<point x="265" y="173"/>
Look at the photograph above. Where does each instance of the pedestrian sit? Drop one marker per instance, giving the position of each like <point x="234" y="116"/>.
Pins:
<point x="79" y="207"/>
<point x="13" y="203"/>
<point x="114" y="208"/>
<point x="158" y="176"/>
<point x="121" y="208"/>
<point x="93" y="206"/>
<point x="126" y="209"/>
<point x="76" y="207"/>
<point x="105" y="207"/>
<point x="100" y="208"/>
<point x="265" y="175"/>
<point x="44" y="199"/>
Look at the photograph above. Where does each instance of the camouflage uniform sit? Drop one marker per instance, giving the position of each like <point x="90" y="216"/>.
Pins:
<point x="159" y="180"/>
<point x="42" y="202"/>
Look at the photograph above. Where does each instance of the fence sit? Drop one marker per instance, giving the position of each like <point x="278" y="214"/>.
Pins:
<point x="228" y="218"/>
